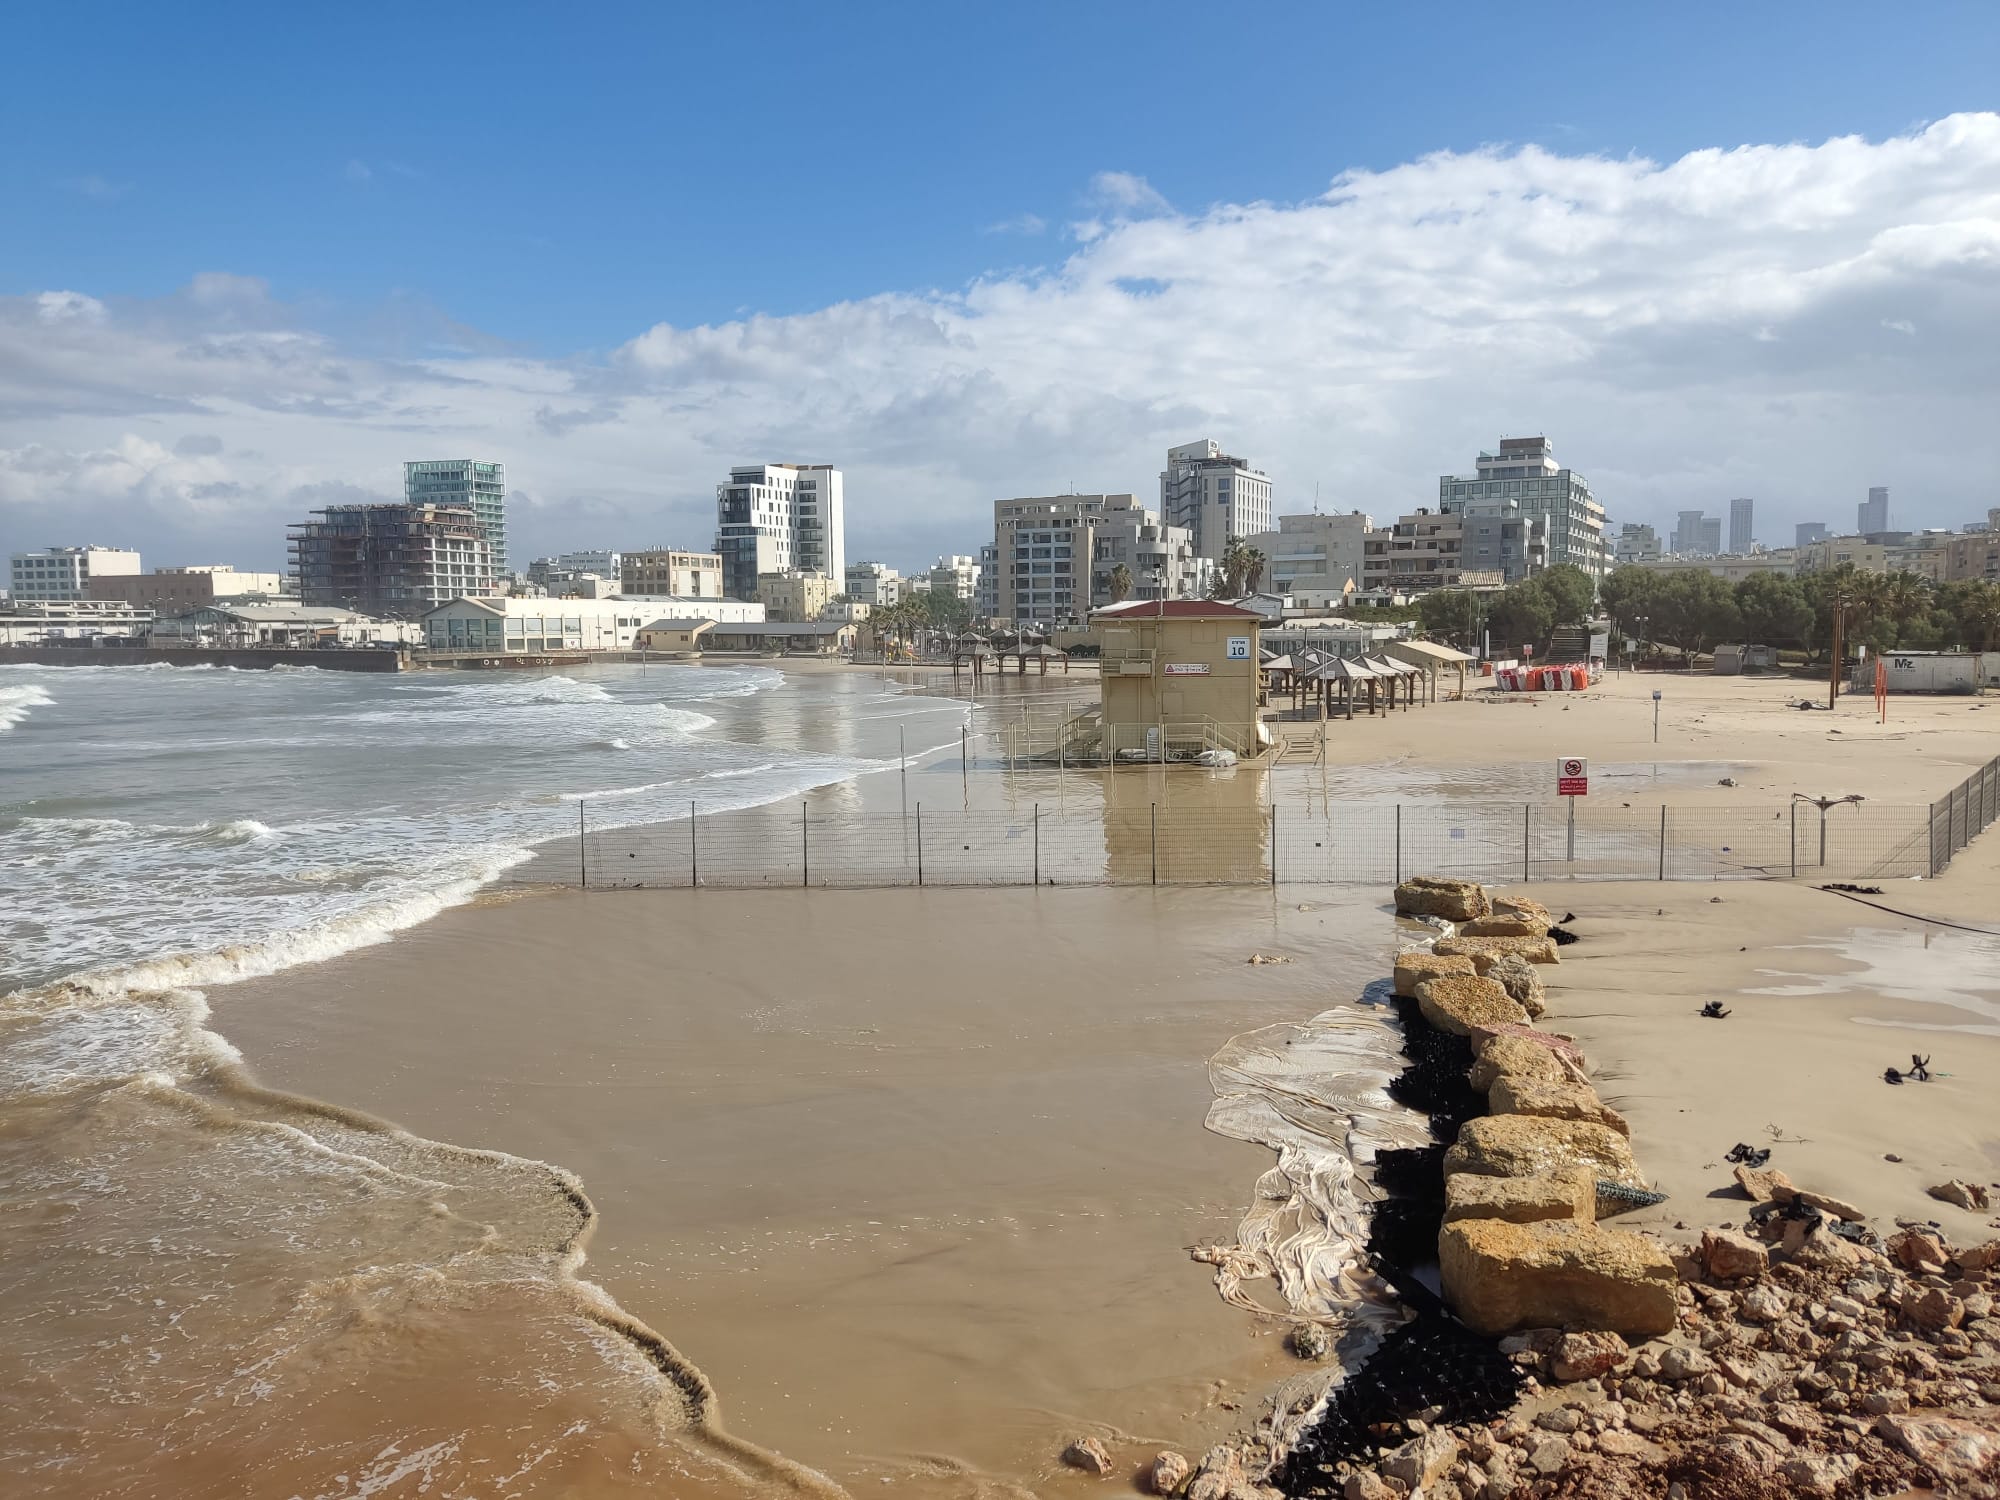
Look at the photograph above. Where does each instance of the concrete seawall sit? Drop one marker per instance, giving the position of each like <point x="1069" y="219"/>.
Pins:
<point x="244" y="659"/>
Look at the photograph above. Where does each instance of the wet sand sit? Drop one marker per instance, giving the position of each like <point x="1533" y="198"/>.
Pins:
<point x="910" y="1175"/>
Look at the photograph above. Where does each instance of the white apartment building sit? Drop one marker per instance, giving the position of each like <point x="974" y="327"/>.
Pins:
<point x="985" y="602"/>
<point x="775" y="518"/>
<point x="666" y="571"/>
<point x="957" y="576"/>
<point x="1213" y="495"/>
<point x="603" y="562"/>
<point x="1729" y="567"/>
<point x="1525" y="469"/>
<point x="65" y="572"/>
<point x="1313" y="556"/>
<point x="1159" y="559"/>
<point x="871" y="583"/>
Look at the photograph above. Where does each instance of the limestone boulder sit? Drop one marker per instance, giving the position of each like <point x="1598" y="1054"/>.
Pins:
<point x="1728" y="1256"/>
<point x="1587" y="1356"/>
<point x="1961" y="1449"/>
<point x="1088" y="1454"/>
<point x="1500" y="1277"/>
<point x="1423" y="1460"/>
<point x="1838" y="1208"/>
<point x="1533" y="1146"/>
<point x="1512" y="1056"/>
<point x="1504" y="924"/>
<point x="1457" y="1002"/>
<point x="1485" y="952"/>
<point x="1414" y="967"/>
<point x="1521" y="980"/>
<point x="1768" y="1185"/>
<point x="1979" y="1258"/>
<point x="1565" y="1052"/>
<point x="1522" y="906"/>
<point x="1168" y="1474"/>
<point x="1433" y="896"/>
<point x="1513" y="1095"/>
<point x="1570" y="1194"/>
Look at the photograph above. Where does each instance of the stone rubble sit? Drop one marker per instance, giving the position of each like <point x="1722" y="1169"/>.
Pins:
<point x="1779" y="1358"/>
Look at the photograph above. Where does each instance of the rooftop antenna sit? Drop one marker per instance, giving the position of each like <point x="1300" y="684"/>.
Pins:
<point x="1315" y="497"/>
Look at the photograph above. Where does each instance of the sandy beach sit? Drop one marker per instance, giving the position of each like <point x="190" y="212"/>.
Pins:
<point x="907" y="1180"/>
<point x="912" y="1175"/>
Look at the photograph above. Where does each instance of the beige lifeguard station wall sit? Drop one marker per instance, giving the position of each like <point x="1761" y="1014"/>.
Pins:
<point x="1179" y="663"/>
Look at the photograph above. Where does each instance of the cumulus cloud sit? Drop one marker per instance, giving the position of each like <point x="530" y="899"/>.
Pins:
<point x="1736" y="322"/>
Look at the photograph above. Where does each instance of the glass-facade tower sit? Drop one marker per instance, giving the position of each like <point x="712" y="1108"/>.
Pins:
<point x="468" y="484"/>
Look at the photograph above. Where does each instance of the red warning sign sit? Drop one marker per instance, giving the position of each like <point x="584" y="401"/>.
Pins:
<point x="1572" y="776"/>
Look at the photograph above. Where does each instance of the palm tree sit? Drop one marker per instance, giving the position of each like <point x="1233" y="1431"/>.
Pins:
<point x="1121" y="583"/>
<point x="1253" y="568"/>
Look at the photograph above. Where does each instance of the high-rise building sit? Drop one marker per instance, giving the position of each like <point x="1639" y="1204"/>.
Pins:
<point x="1525" y="470"/>
<point x="985" y="602"/>
<point x="1742" y="531"/>
<point x="395" y="561"/>
<point x="1697" y="534"/>
<point x="1872" y="514"/>
<point x="65" y="572"/>
<point x="1808" y="532"/>
<point x="1214" y="496"/>
<point x="1635" y="544"/>
<point x="1313" y="556"/>
<point x="777" y="518"/>
<point x="466" y="484"/>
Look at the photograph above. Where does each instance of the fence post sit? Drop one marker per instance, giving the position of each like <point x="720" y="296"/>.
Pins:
<point x="1934" y="858"/>
<point x="1663" y="841"/>
<point x="1526" y="813"/>
<point x="1822" y="838"/>
<point x="1399" y="843"/>
<point x="694" y="851"/>
<point x="1795" y="841"/>
<point x="920" y="843"/>
<point x="1156" y="842"/>
<point x="1274" y="846"/>
<point x="805" y="850"/>
<point x="582" y="850"/>
<point x="1038" y="843"/>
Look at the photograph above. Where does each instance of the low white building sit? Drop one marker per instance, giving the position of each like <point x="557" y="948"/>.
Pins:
<point x="31" y="622"/>
<point x="501" y="627"/>
<point x="285" y="625"/>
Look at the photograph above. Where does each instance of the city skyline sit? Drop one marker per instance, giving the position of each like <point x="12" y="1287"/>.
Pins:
<point x="1776" y="293"/>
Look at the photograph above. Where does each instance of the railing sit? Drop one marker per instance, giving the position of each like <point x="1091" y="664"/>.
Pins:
<point x="1963" y="812"/>
<point x="1161" y="843"/>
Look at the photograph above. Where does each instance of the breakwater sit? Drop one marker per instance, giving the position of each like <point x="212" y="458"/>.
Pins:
<point x="242" y="658"/>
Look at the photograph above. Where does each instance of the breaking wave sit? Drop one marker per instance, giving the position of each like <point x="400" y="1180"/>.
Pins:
<point x="17" y="702"/>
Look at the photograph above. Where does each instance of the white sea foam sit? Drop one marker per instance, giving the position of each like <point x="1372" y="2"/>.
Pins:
<point x="17" y="702"/>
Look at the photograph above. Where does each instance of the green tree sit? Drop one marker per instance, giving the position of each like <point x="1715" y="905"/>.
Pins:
<point x="1773" y="610"/>
<point x="1520" y="616"/>
<point x="943" y="610"/>
<point x="1571" y="592"/>
<point x="1121" y="583"/>
<point x="1629" y="596"/>
<point x="1449" y="615"/>
<point x="1694" y="610"/>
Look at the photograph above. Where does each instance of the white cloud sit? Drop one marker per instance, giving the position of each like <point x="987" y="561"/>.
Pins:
<point x="1725" y="324"/>
<point x="1127" y="192"/>
<point x="1019" y="224"/>
<point x="357" y="171"/>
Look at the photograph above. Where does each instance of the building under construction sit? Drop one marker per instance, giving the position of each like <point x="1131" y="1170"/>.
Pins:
<point x="391" y="561"/>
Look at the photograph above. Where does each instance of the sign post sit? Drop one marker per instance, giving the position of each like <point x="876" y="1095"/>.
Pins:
<point x="1572" y="781"/>
<point x="1656" y="716"/>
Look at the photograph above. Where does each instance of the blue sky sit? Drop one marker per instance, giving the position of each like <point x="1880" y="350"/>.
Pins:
<point x="558" y="176"/>
<point x="425" y="182"/>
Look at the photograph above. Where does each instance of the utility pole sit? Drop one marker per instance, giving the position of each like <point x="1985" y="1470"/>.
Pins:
<point x="1833" y="677"/>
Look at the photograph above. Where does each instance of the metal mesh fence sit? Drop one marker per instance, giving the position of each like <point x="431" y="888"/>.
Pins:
<point x="1141" y="843"/>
